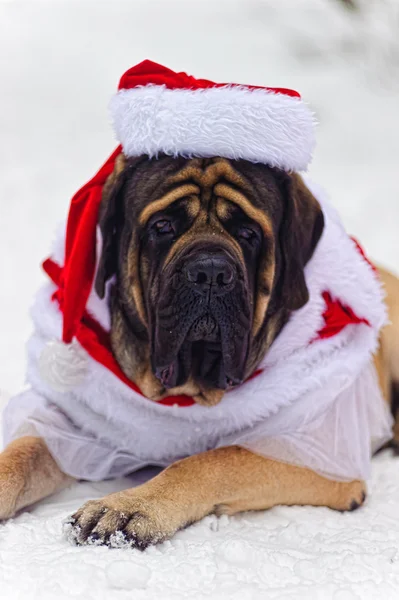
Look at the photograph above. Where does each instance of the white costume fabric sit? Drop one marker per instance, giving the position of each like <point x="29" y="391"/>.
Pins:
<point x="316" y="403"/>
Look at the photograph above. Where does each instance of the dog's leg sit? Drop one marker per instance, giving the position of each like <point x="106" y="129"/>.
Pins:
<point x="28" y="473"/>
<point x="222" y="481"/>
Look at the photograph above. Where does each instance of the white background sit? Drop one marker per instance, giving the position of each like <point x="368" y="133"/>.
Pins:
<point x="59" y="64"/>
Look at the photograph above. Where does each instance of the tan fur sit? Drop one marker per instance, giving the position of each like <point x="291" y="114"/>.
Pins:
<point x="222" y="481"/>
<point x="224" y="191"/>
<point x="135" y="286"/>
<point x="265" y="282"/>
<point x="387" y="359"/>
<point x="201" y="396"/>
<point x="149" y="384"/>
<point x="119" y="167"/>
<point x="206" y="172"/>
<point x="169" y="198"/>
<point x="28" y="473"/>
<point x="390" y="333"/>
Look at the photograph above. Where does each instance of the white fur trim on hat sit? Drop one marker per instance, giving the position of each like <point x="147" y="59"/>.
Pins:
<point x="230" y="121"/>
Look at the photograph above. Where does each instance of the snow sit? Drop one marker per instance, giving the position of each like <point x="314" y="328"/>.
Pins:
<point x="122" y="574"/>
<point x="288" y="552"/>
<point x="59" y="64"/>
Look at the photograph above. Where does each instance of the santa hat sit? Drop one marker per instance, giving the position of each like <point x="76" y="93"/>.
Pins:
<point x="159" y="111"/>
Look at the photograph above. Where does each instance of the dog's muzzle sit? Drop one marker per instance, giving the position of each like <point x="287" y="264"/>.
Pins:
<point x="202" y="319"/>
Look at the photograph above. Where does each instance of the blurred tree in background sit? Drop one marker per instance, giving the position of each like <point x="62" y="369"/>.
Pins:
<point x="349" y="3"/>
<point x="366" y="32"/>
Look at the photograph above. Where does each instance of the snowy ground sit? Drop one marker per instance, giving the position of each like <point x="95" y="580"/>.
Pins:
<point x="59" y="63"/>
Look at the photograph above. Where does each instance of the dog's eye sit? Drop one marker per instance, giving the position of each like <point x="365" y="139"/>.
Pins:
<point x="163" y="226"/>
<point x="246" y="233"/>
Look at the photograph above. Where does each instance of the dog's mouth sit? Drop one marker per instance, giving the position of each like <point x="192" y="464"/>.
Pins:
<point x="205" y="329"/>
<point x="199" y="355"/>
<point x="201" y="336"/>
<point x="204" y="361"/>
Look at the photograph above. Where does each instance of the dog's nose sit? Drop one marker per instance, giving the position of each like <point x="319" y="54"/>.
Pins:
<point x="214" y="272"/>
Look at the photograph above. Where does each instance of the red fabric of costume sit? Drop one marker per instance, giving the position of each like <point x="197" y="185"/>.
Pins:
<point x="148" y="72"/>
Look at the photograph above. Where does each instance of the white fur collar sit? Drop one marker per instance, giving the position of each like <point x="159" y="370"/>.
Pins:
<point x="293" y="366"/>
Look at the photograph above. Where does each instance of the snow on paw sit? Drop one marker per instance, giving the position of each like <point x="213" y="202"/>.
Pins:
<point x="79" y="526"/>
<point x="137" y="524"/>
<point x="143" y="530"/>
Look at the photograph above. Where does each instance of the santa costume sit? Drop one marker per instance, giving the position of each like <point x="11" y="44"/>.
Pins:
<point x="314" y="400"/>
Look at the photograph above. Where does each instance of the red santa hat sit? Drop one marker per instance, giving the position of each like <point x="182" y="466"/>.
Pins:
<point x="159" y="111"/>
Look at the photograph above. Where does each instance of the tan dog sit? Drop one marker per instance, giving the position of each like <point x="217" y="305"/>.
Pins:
<point x="283" y="221"/>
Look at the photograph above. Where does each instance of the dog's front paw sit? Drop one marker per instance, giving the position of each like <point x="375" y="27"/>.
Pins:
<point x="350" y="496"/>
<point x="122" y="520"/>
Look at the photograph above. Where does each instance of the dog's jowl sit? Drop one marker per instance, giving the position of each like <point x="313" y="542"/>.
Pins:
<point x="205" y="312"/>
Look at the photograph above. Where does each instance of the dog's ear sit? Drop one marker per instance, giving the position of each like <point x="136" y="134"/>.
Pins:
<point x="300" y="231"/>
<point x="109" y="220"/>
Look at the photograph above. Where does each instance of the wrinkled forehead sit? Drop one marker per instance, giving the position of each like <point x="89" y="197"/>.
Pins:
<point x="157" y="183"/>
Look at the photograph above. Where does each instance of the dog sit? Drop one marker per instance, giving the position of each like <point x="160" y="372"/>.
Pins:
<point x="202" y="267"/>
<point x="230" y="479"/>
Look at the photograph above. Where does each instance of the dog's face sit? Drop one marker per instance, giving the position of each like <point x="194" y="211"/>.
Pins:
<point x="208" y="256"/>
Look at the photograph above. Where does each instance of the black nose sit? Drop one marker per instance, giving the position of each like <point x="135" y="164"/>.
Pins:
<point x="211" y="271"/>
